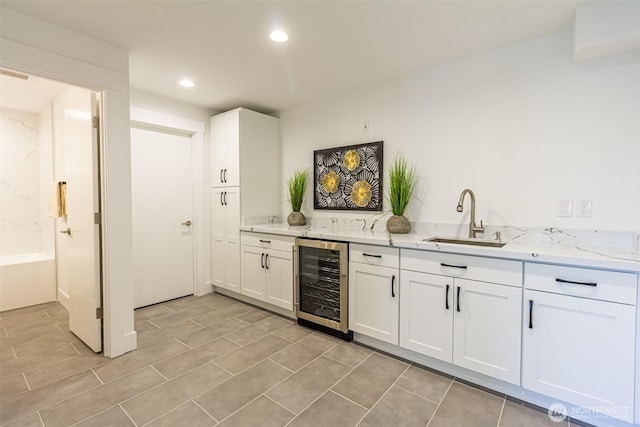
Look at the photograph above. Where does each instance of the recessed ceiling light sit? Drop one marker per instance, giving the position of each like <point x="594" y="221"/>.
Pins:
<point x="186" y="83"/>
<point x="279" y="36"/>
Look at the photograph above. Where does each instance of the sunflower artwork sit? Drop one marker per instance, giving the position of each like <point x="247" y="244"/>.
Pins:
<point x="349" y="178"/>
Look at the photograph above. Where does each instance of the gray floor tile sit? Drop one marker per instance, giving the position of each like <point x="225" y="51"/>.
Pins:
<point x="330" y="410"/>
<point x="151" y="312"/>
<point x="304" y="351"/>
<point x="261" y="412"/>
<point x="11" y="385"/>
<point x="399" y="408"/>
<point x="228" y="397"/>
<point x="169" y="395"/>
<point x="213" y="332"/>
<point x="219" y="301"/>
<point x="465" y="406"/>
<point x="40" y="398"/>
<point x="302" y="388"/>
<point x="155" y="337"/>
<point x="138" y="359"/>
<point x="189" y="411"/>
<point x="145" y="326"/>
<point x="425" y="383"/>
<point x="101" y="398"/>
<point x="32" y="420"/>
<point x="181" y="316"/>
<point x="183" y="362"/>
<point x="366" y="383"/>
<point x="349" y="353"/>
<point x="64" y="368"/>
<point x="38" y="359"/>
<point x="515" y="415"/>
<point x="258" y="330"/>
<point x="293" y="332"/>
<point x="6" y="353"/>
<point x="33" y="336"/>
<point x="112" y="417"/>
<point x="244" y="357"/>
<point x="224" y="313"/>
<point x="254" y="316"/>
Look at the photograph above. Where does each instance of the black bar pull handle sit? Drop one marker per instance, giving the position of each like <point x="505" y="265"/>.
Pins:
<point x="221" y="179"/>
<point x="530" y="314"/>
<point x="266" y="261"/>
<point x="225" y="175"/>
<point x="265" y="241"/>
<point x="458" y="300"/>
<point x="446" y="298"/>
<point x="571" y="282"/>
<point x="393" y="293"/>
<point x="262" y="260"/>
<point x="221" y="202"/>
<point x="442" y="264"/>
<point x="371" y="255"/>
<point x="225" y="198"/>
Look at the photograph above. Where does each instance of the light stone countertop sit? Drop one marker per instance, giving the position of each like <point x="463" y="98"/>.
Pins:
<point x="609" y="258"/>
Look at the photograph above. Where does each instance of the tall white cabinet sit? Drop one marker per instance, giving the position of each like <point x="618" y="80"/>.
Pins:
<point x="245" y="181"/>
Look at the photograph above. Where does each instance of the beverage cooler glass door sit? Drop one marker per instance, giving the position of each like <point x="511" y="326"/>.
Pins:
<point x="322" y="283"/>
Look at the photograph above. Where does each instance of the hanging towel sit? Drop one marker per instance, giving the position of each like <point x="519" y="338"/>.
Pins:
<point x="57" y="199"/>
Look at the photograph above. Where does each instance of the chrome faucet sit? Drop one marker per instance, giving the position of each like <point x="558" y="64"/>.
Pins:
<point x="473" y="228"/>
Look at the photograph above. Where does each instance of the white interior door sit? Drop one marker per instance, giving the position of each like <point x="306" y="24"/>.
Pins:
<point x="83" y="201"/>
<point x="162" y="209"/>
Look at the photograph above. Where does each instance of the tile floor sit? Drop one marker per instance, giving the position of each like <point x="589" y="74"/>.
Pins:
<point x="211" y="360"/>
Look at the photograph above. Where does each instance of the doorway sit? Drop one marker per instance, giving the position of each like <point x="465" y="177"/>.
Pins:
<point x="162" y="214"/>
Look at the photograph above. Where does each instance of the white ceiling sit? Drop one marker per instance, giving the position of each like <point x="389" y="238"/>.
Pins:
<point x="334" y="46"/>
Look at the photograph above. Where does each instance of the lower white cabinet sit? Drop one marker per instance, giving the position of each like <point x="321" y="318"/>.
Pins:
<point x="580" y="351"/>
<point x="471" y="324"/>
<point x="225" y="236"/>
<point x="374" y="292"/>
<point x="267" y="269"/>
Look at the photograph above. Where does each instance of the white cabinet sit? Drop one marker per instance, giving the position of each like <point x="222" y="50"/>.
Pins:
<point x="267" y="268"/>
<point x="374" y="291"/>
<point x="470" y="323"/>
<point x="225" y="236"/>
<point x="245" y="176"/>
<point x="579" y="337"/>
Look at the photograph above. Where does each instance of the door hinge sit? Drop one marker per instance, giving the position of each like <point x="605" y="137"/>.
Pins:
<point x="95" y="122"/>
<point x="99" y="313"/>
<point x="97" y="218"/>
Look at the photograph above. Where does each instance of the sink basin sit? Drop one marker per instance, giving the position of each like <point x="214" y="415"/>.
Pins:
<point x="487" y="243"/>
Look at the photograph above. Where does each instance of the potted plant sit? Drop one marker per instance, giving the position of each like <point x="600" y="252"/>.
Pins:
<point x="297" y="186"/>
<point x="402" y="181"/>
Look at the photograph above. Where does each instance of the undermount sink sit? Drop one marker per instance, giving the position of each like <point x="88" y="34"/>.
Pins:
<point x="472" y="242"/>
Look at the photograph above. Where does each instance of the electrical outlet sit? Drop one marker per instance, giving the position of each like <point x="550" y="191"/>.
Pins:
<point x="565" y="208"/>
<point x="365" y="126"/>
<point x="584" y="208"/>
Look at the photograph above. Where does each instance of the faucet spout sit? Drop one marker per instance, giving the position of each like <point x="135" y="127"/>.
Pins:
<point x="473" y="228"/>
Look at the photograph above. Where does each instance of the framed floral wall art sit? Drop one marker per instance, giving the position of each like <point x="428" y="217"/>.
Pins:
<point x="348" y="178"/>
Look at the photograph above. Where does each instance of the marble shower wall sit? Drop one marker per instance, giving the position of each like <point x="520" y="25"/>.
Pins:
<point x="21" y="193"/>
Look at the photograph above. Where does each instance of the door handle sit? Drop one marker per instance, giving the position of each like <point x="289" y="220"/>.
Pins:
<point x="67" y="231"/>
<point x="262" y="260"/>
<point x="463" y="267"/>
<point x="571" y="282"/>
<point x="225" y="175"/>
<point x="266" y="261"/>
<point x="458" y="300"/>
<point x="393" y="293"/>
<point x="225" y="197"/>
<point x="446" y="298"/>
<point x="221" y="202"/>
<point x="187" y="223"/>
<point x="221" y="180"/>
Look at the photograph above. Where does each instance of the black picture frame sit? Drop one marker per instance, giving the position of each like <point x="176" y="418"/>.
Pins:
<point x="349" y="178"/>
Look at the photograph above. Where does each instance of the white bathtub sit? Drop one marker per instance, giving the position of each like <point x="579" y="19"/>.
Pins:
<point x="27" y="279"/>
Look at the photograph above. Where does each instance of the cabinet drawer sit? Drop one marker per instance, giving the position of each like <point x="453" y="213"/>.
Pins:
<point x="502" y="271"/>
<point x="374" y="255"/>
<point x="583" y="282"/>
<point x="267" y="241"/>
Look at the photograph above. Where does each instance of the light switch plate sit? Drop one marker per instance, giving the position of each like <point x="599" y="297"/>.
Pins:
<point x="565" y="208"/>
<point x="584" y="208"/>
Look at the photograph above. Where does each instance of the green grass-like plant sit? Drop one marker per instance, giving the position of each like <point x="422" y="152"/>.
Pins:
<point x="402" y="181"/>
<point x="297" y="185"/>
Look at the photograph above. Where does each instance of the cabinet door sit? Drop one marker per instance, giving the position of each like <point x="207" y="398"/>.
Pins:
<point x="232" y="168"/>
<point x="218" y="240"/>
<point x="426" y="314"/>
<point x="486" y="335"/>
<point x="232" y="237"/>
<point x="581" y="351"/>
<point x="218" y="151"/>
<point x="253" y="272"/>
<point x="280" y="279"/>
<point x="374" y="292"/>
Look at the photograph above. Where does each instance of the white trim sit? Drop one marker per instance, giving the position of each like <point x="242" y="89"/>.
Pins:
<point x="142" y="116"/>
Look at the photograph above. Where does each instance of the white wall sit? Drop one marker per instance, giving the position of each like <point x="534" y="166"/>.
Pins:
<point x="521" y="125"/>
<point x="168" y="106"/>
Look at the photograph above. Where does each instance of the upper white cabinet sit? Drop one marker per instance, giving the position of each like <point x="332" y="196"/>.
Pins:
<point x="374" y="291"/>
<point x="464" y="310"/>
<point x="579" y="336"/>
<point x="245" y="176"/>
